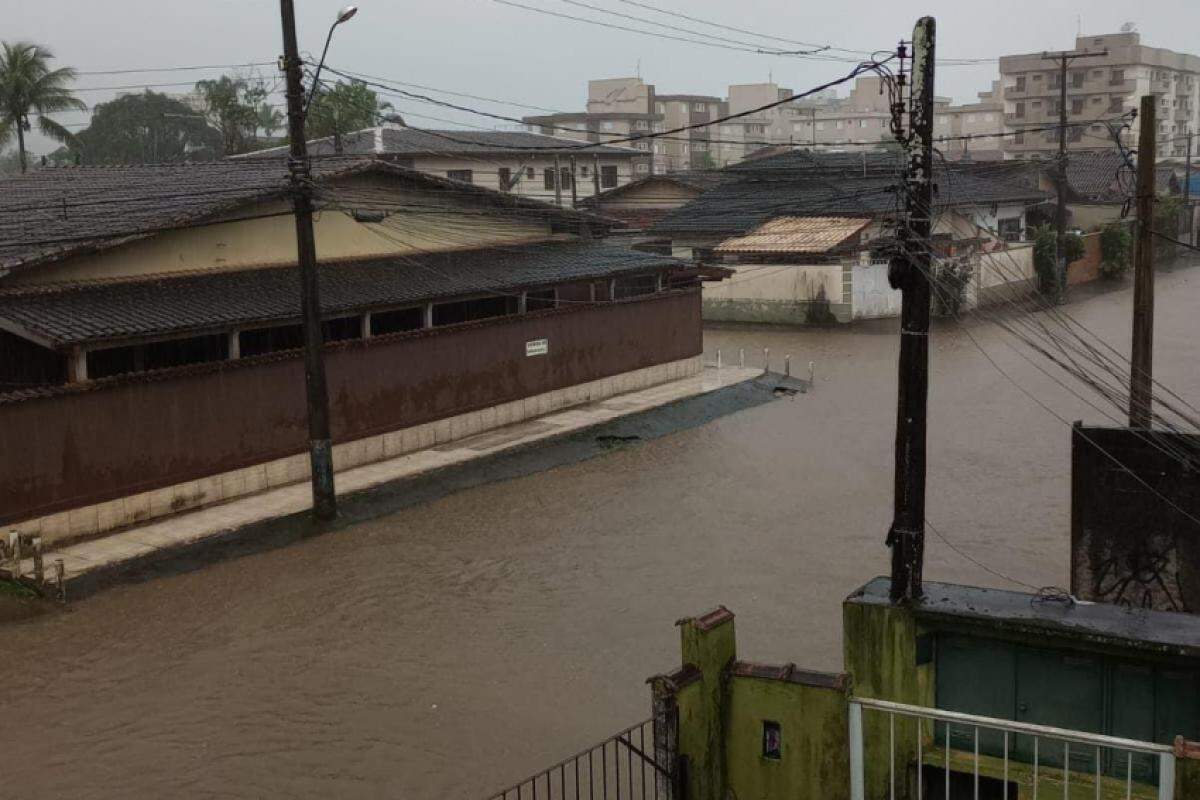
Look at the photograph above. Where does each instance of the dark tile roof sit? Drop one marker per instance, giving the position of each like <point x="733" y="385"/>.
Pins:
<point x="699" y="179"/>
<point x="800" y="183"/>
<point x="1093" y="175"/>
<point x="52" y="213"/>
<point x="178" y="305"/>
<point x="409" y="142"/>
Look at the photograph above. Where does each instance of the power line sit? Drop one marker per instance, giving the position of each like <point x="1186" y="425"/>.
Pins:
<point x="136" y="70"/>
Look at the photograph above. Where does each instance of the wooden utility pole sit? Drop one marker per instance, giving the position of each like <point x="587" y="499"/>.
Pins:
<point x="596" y="177"/>
<point x="320" y="445"/>
<point x="1142" y="367"/>
<point x="907" y="535"/>
<point x="1063" y="58"/>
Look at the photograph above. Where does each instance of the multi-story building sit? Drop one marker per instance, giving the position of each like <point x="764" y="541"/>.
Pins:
<point x="1100" y="89"/>
<point x="693" y="149"/>
<point x="620" y="110"/>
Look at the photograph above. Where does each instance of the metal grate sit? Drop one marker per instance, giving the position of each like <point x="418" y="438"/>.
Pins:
<point x="622" y="767"/>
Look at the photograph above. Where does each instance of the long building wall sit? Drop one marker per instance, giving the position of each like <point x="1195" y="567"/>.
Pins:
<point x="82" y="446"/>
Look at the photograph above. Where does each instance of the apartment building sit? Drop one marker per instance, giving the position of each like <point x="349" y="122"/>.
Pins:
<point x="618" y="109"/>
<point x="1100" y="88"/>
<point x="693" y="149"/>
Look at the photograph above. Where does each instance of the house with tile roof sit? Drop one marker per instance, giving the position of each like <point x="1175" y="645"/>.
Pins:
<point x="521" y="163"/>
<point x="150" y="339"/>
<point x="981" y="216"/>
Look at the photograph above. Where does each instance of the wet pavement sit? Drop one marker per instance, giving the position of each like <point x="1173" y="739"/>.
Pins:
<point x="452" y="647"/>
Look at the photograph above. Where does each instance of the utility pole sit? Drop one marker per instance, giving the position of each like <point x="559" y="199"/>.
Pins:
<point x="574" y="192"/>
<point x="1187" y="192"/>
<point x="907" y="535"/>
<point x="596" y="177"/>
<point x="319" y="441"/>
<point x="1063" y="57"/>
<point x="1142" y="363"/>
<point x="557" y="181"/>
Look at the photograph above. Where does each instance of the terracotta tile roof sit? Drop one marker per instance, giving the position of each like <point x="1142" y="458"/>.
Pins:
<point x="79" y="314"/>
<point x="797" y="235"/>
<point x="52" y="213"/>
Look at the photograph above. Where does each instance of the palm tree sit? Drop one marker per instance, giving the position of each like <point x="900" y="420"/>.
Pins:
<point x="269" y="120"/>
<point x="29" y="86"/>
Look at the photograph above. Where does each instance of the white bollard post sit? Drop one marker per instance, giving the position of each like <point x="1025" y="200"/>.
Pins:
<point x="741" y="357"/>
<point x="812" y="366"/>
<point x="766" y="359"/>
<point x="718" y="358"/>
<point x="787" y="365"/>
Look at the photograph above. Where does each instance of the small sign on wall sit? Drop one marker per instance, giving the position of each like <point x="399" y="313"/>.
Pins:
<point x="537" y="347"/>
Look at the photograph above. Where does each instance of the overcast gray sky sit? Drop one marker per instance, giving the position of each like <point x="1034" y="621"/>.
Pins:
<point x="493" y="50"/>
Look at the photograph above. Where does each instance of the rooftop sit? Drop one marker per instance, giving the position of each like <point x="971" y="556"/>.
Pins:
<point x="197" y="303"/>
<point x="796" y="235"/>
<point x="1096" y="624"/>
<point x="51" y="213"/>
<point x="400" y="141"/>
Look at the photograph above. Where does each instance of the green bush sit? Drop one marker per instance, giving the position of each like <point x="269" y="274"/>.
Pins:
<point x="1168" y="210"/>
<point x="1116" y="250"/>
<point x="1045" y="241"/>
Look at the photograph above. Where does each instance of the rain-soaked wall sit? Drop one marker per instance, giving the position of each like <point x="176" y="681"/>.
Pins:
<point x="78" y="445"/>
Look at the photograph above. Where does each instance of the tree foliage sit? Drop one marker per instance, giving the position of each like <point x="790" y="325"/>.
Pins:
<point x="145" y="128"/>
<point x="30" y="88"/>
<point x="1051" y="282"/>
<point x="344" y="108"/>
<point x="1116" y="250"/>
<point x="1168" y="214"/>
<point x="232" y="107"/>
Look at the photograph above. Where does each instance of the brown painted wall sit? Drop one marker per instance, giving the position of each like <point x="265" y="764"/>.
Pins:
<point x="80" y="446"/>
<point x="1087" y="268"/>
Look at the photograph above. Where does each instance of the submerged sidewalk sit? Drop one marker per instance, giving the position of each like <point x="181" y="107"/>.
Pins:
<point x="194" y="527"/>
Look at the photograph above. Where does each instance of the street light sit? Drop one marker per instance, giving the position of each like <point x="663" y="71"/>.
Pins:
<point x="343" y="16"/>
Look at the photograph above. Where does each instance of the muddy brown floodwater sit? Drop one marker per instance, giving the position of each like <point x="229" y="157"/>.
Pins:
<point x="454" y="647"/>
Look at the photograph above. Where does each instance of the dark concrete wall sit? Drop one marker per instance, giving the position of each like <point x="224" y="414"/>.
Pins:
<point x="1134" y="505"/>
<point x="75" y="446"/>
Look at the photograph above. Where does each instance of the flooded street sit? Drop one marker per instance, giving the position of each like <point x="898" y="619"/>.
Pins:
<point x="452" y="648"/>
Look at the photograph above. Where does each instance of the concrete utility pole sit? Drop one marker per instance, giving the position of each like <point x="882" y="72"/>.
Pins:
<point x="558" y="181"/>
<point x="1187" y="192"/>
<point x="596" y="177"/>
<point x="907" y="535"/>
<point x="1063" y="58"/>
<point x="1142" y="363"/>
<point x="574" y="192"/>
<point x="320" y="445"/>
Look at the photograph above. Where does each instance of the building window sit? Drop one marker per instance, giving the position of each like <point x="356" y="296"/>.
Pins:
<point x="462" y="175"/>
<point x="699" y="107"/>
<point x="607" y="125"/>
<point x="608" y="175"/>
<point x="1020" y="87"/>
<point x="1077" y="78"/>
<point x="1116" y="104"/>
<point x="1117" y="77"/>
<point x="583" y="171"/>
<point x="530" y="173"/>
<point x="1075" y="134"/>
<point x="642" y="125"/>
<point x="398" y="321"/>
<point x="772" y="741"/>
<point x="548" y="179"/>
<point x="839" y="124"/>
<point x="1019" y="138"/>
<point x="660" y="108"/>
<point x="1077" y="106"/>
<point x="1009" y="229"/>
<point x="640" y="168"/>
<point x="505" y="179"/>
<point x="469" y="310"/>
<point x="1019" y="110"/>
<point x="862" y="123"/>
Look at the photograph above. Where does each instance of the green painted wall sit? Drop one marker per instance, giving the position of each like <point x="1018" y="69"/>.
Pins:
<point x="880" y="654"/>
<point x="702" y="705"/>
<point x="815" y="760"/>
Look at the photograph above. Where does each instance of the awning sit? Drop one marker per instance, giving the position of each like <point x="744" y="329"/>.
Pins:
<point x="802" y="235"/>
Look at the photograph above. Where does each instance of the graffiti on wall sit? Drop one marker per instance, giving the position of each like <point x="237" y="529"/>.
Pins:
<point x="1135" y="518"/>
